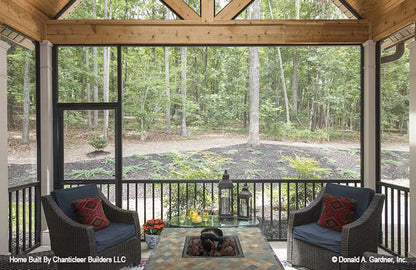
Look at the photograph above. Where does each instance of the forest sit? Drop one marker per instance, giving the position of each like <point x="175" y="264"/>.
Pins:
<point x="296" y="93"/>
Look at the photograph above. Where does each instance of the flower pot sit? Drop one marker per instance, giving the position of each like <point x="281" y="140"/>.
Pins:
<point x="152" y="240"/>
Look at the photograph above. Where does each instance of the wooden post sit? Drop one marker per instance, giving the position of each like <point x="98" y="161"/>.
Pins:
<point x="412" y="145"/>
<point x="369" y="114"/>
<point x="4" y="179"/>
<point x="207" y="10"/>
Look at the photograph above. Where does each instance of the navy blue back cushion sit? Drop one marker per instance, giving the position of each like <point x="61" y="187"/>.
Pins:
<point x="362" y="195"/>
<point x="64" y="197"/>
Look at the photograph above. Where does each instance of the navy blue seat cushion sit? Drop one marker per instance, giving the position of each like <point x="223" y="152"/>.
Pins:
<point x="64" y="197"/>
<point x="113" y="234"/>
<point x="320" y="236"/>
<point x="362" y="195"/>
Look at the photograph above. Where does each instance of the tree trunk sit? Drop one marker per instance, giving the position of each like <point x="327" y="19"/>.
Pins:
<point x="184" y="130"/>
<point x="95" y="70"/>
<point x="26" y="100"/>
<point x="282" y="77"/>
<point x="204" y="86"/>
<point x="167" y="81"/>
<point x="254" y="79"/>
<point x="295" y="84"/>
<point x="87" y="63"/>
<point x="106" y="72"/>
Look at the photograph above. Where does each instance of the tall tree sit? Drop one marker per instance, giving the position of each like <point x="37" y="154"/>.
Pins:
<point x="254" y="79"/>
<point x="295" y="69"/>
<point x="184" y="130"/>
<point x="282" y="73"/>
<point x="95" y="69"/>
<point x="26" y="99"/>
<point x="106" y="71"/>
<point x="88" y="85"/>
<point x="167" y="81"/>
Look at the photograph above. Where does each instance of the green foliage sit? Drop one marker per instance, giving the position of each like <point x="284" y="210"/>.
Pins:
<point x="306" y="168"/>
<point x="250" y="161"/>
<point x="389" y="153"/>
<point x="89" y="174"/>
<point x="390" y="161"/>
<point x="231" y="152"/>
<point x="348" y="174"/>
<point x="140" y="157"/>
<point x="99" y="142"/>
<point x="132" y="168"/>
<point x="252" y="172"/>
<point x="329" y="160"/>
<point x="110" y="160"/>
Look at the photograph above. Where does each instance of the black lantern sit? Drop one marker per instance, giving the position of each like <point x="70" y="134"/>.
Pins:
<point x="244" y="204"/>
<point x="225" y="192"/>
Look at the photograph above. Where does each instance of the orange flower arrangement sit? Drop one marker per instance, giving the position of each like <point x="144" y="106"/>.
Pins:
<point x="153" y="226"/>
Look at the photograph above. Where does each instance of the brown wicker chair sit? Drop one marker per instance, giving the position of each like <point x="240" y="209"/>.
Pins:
<point x="70" y="239"/>
<point x="355" y="239"/>
<point x="368" y="264"/>
<point x="5" y="262"/>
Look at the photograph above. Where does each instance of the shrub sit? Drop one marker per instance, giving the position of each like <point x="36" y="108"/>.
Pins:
<point x="99" y="142"/>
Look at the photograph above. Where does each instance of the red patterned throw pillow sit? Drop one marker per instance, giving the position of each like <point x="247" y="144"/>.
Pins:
<point x="89" y="211"/>
<point x="337" y="212"/>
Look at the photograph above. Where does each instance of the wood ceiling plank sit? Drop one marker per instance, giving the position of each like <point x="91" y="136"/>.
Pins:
<point x="28" y="21"/>
<point x="394" y="19"/>
<point x="181" y="9"/>
<point x="232" y="9"/>
<point x="258" y="32"/>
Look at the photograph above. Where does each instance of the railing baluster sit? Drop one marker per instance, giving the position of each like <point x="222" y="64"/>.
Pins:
<point x="254" y="200"/>
<point x="128" y="196"/>
<point x="187" y="196"/>
<point x="17" y="223"/>
<point x="280" y="211"/>
<point x="170" y="200"/>
<point x="288" y="199"/>
<point x="313" y="191"/>
<point x="406" y="225"/>
<point x="161" y="200"/>
<point x="145" y="201"/>
<point x="386" y="213"/>
<point x="195" y="195"/>
<point x="136" y="201"/>
<point x="30" y="216"/>
<point x="297" y="199"/>
<point x="392" y="219"/>
<point x="10" y="222"/>
<point x="153" y="200"/>
<point x="179" y="187"/>
<point x="399" y="223"/>
<point x="305" y="191"/>
<point x="203" y="196"/>
<point x="24" y="219"/>
<point x="262" y="201"/>
<point x="271" y="204"/>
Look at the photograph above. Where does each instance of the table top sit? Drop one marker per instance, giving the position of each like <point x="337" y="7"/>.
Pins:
<point x="214" y="221"/>
<point x="258" y="254"/>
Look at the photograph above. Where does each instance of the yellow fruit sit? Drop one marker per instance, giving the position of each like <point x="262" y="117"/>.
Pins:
<point x="198" y="219"/>
<point x="195" y="214"/>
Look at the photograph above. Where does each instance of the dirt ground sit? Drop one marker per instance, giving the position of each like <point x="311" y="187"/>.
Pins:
<point x="148" y="159"/>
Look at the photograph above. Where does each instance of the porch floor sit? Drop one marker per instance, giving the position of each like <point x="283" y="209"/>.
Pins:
<point x="279" y="247"/>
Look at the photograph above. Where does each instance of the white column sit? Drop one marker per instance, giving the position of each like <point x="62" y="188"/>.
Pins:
<point x="412" y="145"/>
<point x="4" y="179"/>
<point x="46" y="115"/>
<point x="369" y="114"/>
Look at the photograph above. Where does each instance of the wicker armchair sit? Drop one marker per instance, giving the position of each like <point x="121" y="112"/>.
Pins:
<point x="356" y="238"/>
<point x="5" y="262"/>
<point x="372" y="263"/>
<point x="120" y="240"/>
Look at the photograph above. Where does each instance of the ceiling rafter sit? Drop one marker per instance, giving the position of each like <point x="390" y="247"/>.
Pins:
<point x="233" y="9"/>
<point x="181" y="9"/>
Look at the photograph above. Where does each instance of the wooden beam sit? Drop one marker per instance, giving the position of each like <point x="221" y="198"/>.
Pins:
<point x="393" y="20"/>
<point x="181" y="9"/>
<point x="233" y="9"/>
<point x="236" y="32"/>
<point x="30" y="22"/>
<point x="207" y="10"/>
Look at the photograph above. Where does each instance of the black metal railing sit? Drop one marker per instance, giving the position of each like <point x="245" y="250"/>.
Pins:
<point x="395" y="228"/>
<point x="24" y="217"/>
<point x="272" y="200"/>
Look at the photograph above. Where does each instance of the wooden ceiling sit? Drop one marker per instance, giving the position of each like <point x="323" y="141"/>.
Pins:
<point x="32" y="17"/>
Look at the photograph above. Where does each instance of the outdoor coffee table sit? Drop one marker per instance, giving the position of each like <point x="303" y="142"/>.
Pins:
<point x="214" y="221"/>
<point x="257" y="252"/>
